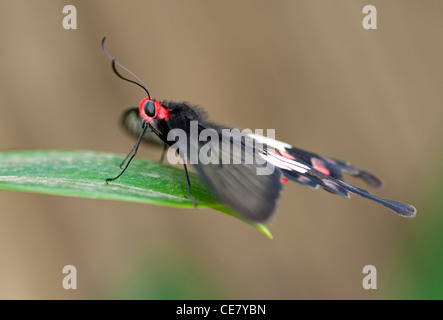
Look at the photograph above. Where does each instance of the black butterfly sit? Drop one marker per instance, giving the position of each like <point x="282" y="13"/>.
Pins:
<point x="237" y="184"/>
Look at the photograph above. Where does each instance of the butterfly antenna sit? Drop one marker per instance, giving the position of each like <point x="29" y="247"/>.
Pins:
<point x="115" y="62"/>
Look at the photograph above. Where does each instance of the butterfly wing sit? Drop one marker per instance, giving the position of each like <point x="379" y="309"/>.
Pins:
<point x="315" y="171"/>
<point x="235" y="183"/>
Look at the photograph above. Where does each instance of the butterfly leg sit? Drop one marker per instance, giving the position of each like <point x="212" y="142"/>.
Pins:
<point x="189" y="186"/>
<point x="131" y="154"/>
<point x="165" y="147"/>
<point x="122" y="164"/>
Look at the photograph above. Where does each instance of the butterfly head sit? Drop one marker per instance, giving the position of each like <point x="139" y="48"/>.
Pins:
<point x="152" y="109"/>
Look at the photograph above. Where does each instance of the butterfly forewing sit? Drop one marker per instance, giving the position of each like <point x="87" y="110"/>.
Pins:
<point x="234" y="182"/>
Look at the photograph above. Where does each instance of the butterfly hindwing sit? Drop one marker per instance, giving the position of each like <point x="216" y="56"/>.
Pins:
<point x="131" y="121"/>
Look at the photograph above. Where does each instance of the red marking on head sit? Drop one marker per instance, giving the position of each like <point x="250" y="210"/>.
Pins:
<point x="319" y="166"/>
<point x="160" y="111"/>
<point x="141" y="111"/>
<point x="284" y="180"/>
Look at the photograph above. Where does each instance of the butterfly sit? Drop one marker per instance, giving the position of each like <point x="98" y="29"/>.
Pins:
<point x="235" y="182"/>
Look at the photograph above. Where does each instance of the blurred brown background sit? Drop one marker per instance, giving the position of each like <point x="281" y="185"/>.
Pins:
<point x="306" y="68"/>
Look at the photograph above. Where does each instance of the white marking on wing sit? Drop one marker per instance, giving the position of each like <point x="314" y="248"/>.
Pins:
<point x="284" y="163"/>
<point x="270" y="142"/>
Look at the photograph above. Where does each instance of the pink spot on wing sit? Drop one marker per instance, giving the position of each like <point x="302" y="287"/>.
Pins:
<point x="286" y="155"/>
<point x="329" y="160"/>
<point x="284" y="180"/>
<point x="319" y="166"/>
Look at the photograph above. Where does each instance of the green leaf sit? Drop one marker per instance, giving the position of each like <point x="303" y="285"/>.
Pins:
<point x="83" y="173"/>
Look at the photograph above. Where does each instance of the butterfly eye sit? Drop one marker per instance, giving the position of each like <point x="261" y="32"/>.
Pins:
<point x="149" y="108"/>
